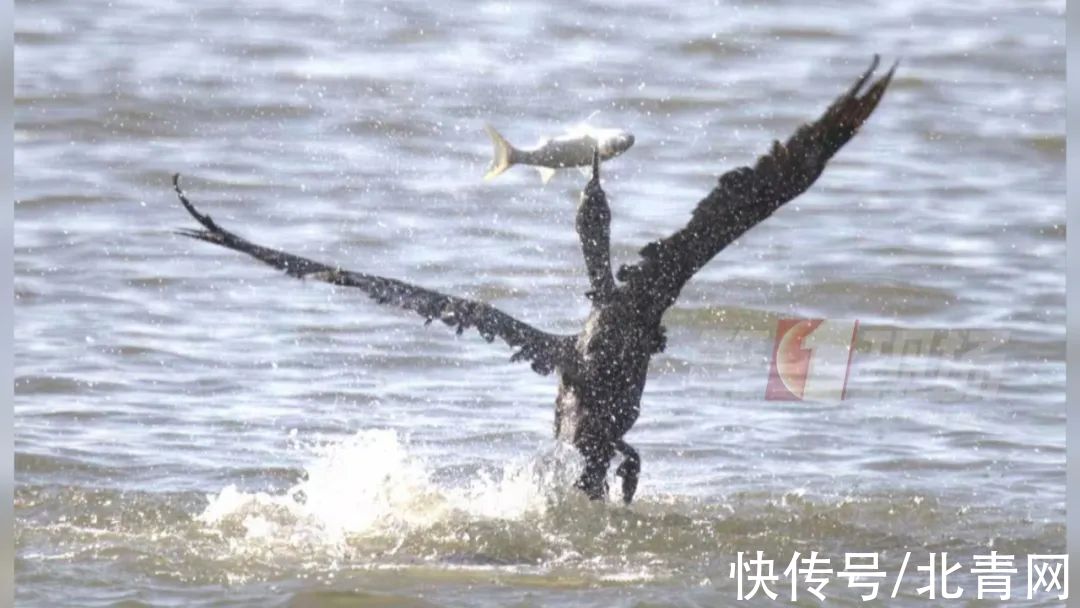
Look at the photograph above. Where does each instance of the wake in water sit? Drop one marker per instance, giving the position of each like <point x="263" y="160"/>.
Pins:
<point x="367" y="490"/>
<point x="367" y="502"/>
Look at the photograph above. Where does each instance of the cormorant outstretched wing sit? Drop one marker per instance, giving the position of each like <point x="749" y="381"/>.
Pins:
<point x="748" y="195"/>
<point x="543" y="350"/>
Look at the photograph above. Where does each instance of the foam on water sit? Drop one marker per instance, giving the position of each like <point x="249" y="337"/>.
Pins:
<point x="368" y="486"/>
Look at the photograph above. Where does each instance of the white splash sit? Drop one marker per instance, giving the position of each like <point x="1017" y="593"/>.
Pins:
<point x="368" y="485"/>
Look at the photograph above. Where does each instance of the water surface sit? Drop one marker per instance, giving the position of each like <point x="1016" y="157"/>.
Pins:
<point x="193" y="429"/>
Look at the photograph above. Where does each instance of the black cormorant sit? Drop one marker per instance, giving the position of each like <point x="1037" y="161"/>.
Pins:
<point x="602" y="370"/>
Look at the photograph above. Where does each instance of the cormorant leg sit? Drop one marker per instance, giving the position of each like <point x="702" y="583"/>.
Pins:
<point x="593" y="480"/>
<point x="628" y="470"/>
<point x="594" y="229"/>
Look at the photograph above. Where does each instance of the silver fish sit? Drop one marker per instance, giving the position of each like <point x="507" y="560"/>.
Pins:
<point x="572" y="149"/>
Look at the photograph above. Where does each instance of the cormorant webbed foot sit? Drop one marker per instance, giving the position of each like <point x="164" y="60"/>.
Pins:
<point x="595" y="486"/>
<point x="597" y="452"/>
<point x="628" y="470"/>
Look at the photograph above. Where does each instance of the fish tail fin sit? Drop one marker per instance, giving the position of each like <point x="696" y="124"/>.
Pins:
<point x="504" y="153"/>
<point x="546" y="174"/>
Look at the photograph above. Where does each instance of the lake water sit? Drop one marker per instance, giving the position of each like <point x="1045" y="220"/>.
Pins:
<point x="194" y="429"/>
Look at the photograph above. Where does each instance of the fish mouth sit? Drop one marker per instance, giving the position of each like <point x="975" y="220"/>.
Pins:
<point x="616" y="145"/>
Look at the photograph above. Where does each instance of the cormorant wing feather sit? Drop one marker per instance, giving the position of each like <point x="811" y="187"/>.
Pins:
<point x="747" y="195"/>
<point x="545" y="351"/>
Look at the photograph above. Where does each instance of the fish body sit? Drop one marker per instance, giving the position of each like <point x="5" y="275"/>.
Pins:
<point x="572" y="149"/>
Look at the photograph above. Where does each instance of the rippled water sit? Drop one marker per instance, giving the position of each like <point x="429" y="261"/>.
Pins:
<point x="193" y="429"/>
